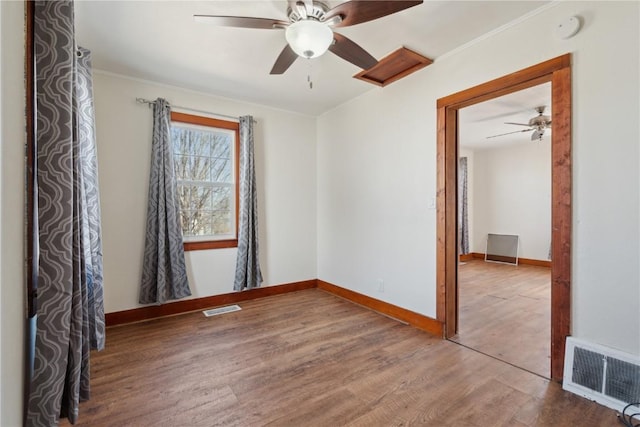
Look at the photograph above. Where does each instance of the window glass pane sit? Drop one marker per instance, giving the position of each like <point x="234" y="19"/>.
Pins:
<point x="221" y="145"/>
<point x="205" y="210"/>
<point x="222" y="170"/>
<point x="201" y="198"/>
<point x="204" y="224"/>
<point x="204" y="164"/>
<point x="199" y="168"/>
<point x="221" y="198"/>
<point x="192" y="153"/>
<point x="221" y="222"/>
<point x="180" y="165"/>
<point x="196" y="223"/>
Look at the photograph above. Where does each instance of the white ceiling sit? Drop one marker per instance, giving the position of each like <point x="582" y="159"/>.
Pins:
<point x="488" y="118"/>
<point x="159" y="41"/>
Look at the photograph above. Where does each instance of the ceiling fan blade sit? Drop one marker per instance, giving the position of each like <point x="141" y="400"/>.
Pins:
<point x="519" y="124"/>
<point x="284" y="61"/>
<point x="358" y="11"/>
<point x="509" y="133"/>
<point x="241" y="22"/>
<point x="500" y="115"/>
<point x="352" y="52"/>
<point x="537" y="135"/>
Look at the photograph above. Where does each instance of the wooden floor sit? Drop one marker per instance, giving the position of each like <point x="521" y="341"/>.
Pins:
<point x="505" y="312"/>
<point x="311" y="359"/>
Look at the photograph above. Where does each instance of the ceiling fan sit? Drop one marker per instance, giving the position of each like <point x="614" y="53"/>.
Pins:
<point x="309" y="30"/>
<point x="537" y="124"/>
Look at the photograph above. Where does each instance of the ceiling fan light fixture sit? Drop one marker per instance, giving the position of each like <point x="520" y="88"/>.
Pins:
<point x="309" y="38"/>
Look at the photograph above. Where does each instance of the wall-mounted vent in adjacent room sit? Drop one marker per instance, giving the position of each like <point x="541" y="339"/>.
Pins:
<point x="221" y="310"/>
<point x="608" y="376"/>
<point x="502" y="248"/>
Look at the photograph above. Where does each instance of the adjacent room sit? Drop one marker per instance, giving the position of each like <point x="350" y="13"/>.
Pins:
<point x="504" y="193"/>
<point x="247" y="213"/>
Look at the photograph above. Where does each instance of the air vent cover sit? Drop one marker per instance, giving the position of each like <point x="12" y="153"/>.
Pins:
<point x="608" y="376"/>
<point x="221" y="310"/>
<point x="623" y="380"/>
<point x="502" y="248"/>
<point x="587" y="369"/>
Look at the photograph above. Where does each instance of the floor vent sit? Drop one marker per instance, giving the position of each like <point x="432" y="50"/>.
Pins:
<point x="608" y="376"/>
<point x="221" y="310"/>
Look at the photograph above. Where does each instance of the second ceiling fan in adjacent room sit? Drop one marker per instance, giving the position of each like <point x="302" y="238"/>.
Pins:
<point x="537" y="125"/>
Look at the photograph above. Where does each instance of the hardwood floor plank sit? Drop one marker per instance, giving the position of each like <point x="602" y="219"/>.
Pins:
<point x="337" y="407"/>
<point x="489" y="404"/>
<point x="312" y="359"/>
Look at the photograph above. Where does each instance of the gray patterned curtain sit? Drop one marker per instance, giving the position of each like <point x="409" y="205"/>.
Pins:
<point x="248" y="274"/>
<point x="70" y="313"/>
<point x="164" y="273"/>
<point x="463" y="215"/>
<point x="89" y="211"/>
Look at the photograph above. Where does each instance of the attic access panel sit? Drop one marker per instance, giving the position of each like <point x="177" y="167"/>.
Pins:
<point x="502" y="248"/>
<point x="393" y="67"/>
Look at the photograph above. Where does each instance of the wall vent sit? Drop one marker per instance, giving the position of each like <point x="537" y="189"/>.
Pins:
<point x="608" y="376"/>
<point x="502" y="248"/>
<point x="221" y="310"/>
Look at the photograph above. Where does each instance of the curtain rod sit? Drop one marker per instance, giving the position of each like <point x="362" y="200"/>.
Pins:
<point x="150" y="103"/>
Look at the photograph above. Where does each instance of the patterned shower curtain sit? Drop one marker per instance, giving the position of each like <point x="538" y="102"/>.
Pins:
<point x="463" y="212"/>
<point x="248" y="274"/>
<point x="70" y="313"/>
<point x="164" y="272"/>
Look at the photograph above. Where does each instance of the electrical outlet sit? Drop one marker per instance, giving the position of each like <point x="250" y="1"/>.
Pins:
<point x="380" y="285"/>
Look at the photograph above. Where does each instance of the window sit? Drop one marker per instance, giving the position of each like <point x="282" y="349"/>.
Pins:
<point x="206" y="164"/>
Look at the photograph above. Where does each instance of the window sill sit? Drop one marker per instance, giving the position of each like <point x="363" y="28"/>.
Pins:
<point x="212" y="244"/>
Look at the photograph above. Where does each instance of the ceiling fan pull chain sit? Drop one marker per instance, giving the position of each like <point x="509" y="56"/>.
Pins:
<point x="309" y="74"/>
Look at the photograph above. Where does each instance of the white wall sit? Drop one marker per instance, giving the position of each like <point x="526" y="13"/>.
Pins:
<point x="377" y="169"/>
<point x="373" y="198"/>
<point x="11" y="201"/>
<point x="512" y="195"/>
<point x="286" y="174"/>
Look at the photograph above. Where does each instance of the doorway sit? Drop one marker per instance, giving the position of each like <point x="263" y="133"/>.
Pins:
<point x="558" y="72"/>
<point x="504" y="191"/>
